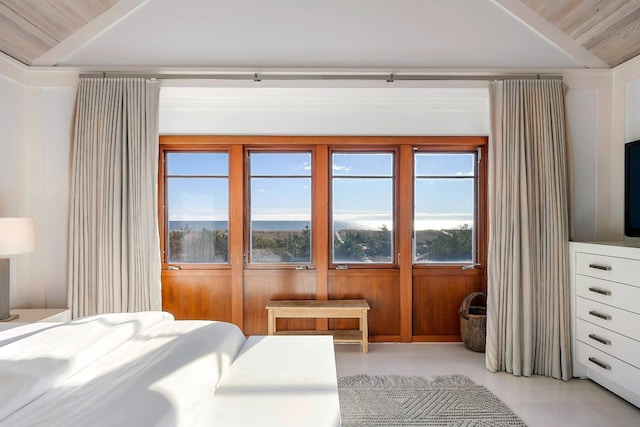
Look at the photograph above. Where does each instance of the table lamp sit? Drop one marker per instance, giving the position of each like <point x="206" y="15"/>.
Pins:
<point x="16" y="237"/>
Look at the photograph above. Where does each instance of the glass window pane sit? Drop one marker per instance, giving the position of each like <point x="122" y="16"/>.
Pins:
<point x="198" y="214"/>
<point x="362" y="220"/>
<point x="363" y="164"/>
<point x="444" y="220"/>
<point x="445" y="196"/>
<point x="445" y="164"/>
<point x="193" y="164"/>
<point x="280" y="208"/>
<point x="280" y="164"/>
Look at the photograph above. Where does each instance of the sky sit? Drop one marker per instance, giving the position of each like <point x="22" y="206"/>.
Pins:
<point x="281" y="187"/>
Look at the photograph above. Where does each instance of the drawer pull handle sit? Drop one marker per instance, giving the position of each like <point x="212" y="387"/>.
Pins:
<point x="599" y="363"/>
<point x="600" y="315"/>
<point x="600" y="267"/>
<point x="600" y="340"/>
<point x="600" y="291"/>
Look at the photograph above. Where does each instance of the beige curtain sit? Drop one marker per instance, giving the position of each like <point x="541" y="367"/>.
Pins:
<point x="114" y="259"/>
<point x="528" y="318"/>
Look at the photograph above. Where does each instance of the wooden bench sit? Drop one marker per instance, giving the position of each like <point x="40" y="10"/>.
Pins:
<point x="330" y="309"/>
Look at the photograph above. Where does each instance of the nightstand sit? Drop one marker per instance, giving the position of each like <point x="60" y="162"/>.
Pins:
<point x="31" y="315"/>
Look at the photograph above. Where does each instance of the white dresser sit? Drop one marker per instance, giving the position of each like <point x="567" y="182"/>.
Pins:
<point x="605" y="297"/>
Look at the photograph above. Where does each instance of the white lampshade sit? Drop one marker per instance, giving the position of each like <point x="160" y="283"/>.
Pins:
<point x="17" y="236"/>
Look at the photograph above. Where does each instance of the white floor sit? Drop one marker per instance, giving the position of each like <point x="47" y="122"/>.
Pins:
<point x="538" y="401"/>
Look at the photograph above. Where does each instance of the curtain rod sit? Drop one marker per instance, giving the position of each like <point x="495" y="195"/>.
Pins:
<point x="257" y="77"/>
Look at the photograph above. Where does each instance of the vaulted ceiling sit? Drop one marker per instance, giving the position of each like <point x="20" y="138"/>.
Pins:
<point x="520" y="34"/>
<point x="30" y="28"/>
<point x="610" y="29"/>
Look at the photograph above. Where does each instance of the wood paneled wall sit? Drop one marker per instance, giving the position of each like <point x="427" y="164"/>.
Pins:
<point x="197" y="294"/>
<point x="381" y="289"/>
<point x="261" y="286"/>
<point x="437" y="295"/>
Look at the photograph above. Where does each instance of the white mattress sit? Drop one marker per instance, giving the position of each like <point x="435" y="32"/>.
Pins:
<point x="141" y="369"/>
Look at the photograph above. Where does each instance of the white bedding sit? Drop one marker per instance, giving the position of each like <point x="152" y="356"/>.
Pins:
<point x="154" y="370"/>
<point x="287" y="381"/>
<point x="20" y="330"/>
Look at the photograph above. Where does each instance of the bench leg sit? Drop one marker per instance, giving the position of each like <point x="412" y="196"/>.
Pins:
<point x="364" y="327"/>
<point x="271" y="323"/>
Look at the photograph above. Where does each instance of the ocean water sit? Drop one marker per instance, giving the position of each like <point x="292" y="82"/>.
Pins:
<point x="300" y="225"/>
<point x="257" y="225"/>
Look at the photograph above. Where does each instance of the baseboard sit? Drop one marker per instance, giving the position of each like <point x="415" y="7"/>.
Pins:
<point x="437" y="338"/>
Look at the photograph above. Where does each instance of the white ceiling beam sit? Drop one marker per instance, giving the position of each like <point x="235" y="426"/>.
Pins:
<point x="87" y="33"/>
<point x="551" y="33"/>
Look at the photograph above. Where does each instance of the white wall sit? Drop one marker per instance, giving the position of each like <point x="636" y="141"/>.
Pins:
<point x="604" y="114"/>
<point x="627" y="82"/>
<point x="632" y="116"/>
<point x="10" y="93"/>
<point x="621" y="114"/>
<point x="35" y="134"/>
<point x="10" y="96"/>
<point x="582" y="123"/>
<point x="589" y="105"/>
<point x="58" y="108"/>
<point x="381" y="109"/>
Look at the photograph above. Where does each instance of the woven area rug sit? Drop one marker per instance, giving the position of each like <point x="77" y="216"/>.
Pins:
<point x="451" y="400"/>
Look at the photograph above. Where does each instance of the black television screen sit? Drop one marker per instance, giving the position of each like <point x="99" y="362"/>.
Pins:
<point x="632" y="189"/>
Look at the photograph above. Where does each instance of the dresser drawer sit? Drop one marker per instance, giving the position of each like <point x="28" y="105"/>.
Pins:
<point x="610" y="293"/>
<point x="616" y="269"/>
<point x="609" y="367"/>
<point x="611" y="318"/>
<point x="619" y="346"/>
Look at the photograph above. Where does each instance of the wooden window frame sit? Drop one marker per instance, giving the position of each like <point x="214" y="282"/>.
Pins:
<point x="237" y="147"/>
<point x="163" y="225"/>
<point x="366" y="149"/>
<point x="248" y="149"/>
<point x="481" y="214"/>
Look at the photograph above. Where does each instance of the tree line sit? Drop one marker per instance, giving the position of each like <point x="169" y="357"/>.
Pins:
<point x="349" y="246"/>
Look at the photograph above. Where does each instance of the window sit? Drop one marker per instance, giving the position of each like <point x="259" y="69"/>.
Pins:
<point x="278" y="204"/>
<point x="362" y="207"/>
<point x="445" y="194"/>
<point x="197" y="207"/>
<point x="280" y="207"/>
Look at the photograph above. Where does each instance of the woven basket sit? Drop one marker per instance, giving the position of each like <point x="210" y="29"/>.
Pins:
<point x="473" y="323"/>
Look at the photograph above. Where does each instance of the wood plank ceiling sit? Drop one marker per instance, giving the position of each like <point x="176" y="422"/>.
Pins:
<point x="29" y="28"/>
<point x="610" y="29"/>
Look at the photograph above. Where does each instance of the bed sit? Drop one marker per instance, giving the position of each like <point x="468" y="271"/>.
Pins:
<point x="147" y="369"/>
